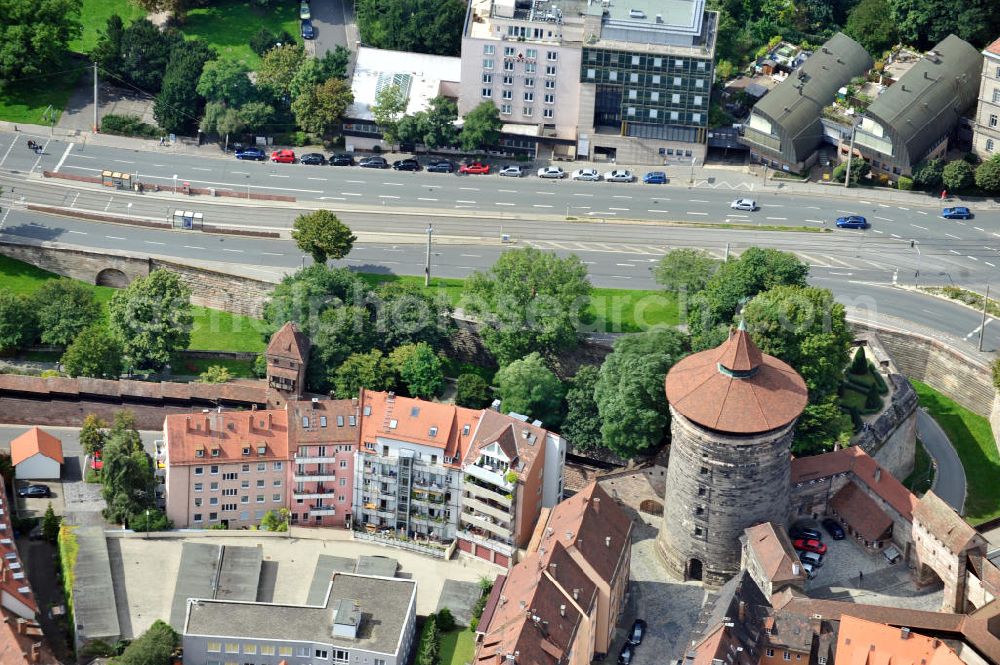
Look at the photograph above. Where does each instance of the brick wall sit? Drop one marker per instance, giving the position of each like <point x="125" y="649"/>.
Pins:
<point x="230" y="293"/>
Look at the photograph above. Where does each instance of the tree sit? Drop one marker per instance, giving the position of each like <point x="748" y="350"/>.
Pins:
<point x="145" y="52"/>
<point x="370" y="370"/>
<point x="215" y="374"/>
<point x="320" y="110"/>
<point x="127" y="481"/>
<point x="256" y="115"/>
<point x="64" y="307"/>
<point x="629" y="391"/>
<point x="927" y="175"/>
<point x="436" y="125"/>
<point x="820" y="426"/>
<point x="528" y="301"/>
<point x="108" y="51"/>
<point x="150" y="519"/>
<point x="175" y="7"/>
<point x="528" y="387"/>
<point x="873" y="401"/>
<point x="871" y="24"/>
<point x="859" y="364"/>
<point x="178" y="105"/>
<point x="582" y="426"/>
<point x="419" y="369"/>
<point x="18" y="325"/>
<point x="807" y="329"/>
<point x="334" y="63"/>
<point x="154" y="647"/>
<point x="445" y="620"/>
<point x="472" y="391"/>
<point x="859" y="169"/>
<point x="428" y="650"/>
<point x="226" y="81"/>
<point x="481" y="127"/>
<point x="389" y="107"/>
<point x="306" y="295"/>
<point x="95" y="353"/>
<point x="222" y="120"/>
<point x="685" y="270"/>
<point x="34" y="36"/>
<point x="275" y="520"/>
<point x="151" y="317"/>
<point x="278" y="67"/>
<point x="321" y="235"/>
<point x="424" y="26"/>
<point x="340" y="333"/>
<point x="264" y="40"/>
<point x="50" y="525"/>
<point x="406" y="314"/>
<point x="93" y="434"/>
<point x="315" y="71"/>
<point x="958" y="175"/>
<point x="924" y="23"/>
<point x="988" y="175"/>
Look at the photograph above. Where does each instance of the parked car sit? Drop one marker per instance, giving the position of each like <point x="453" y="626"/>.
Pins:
<point x="619" y="175"/>
<point x="959" y="212"/>
<point x="441" y="166"/>
<point x="342" y="159"/>
<point x="408" y="164"/>
<point x="373" y="163"/>
<point x="34" y="491"/>
<point x="852" y="222"/>
<point x="312" y="159"/>
<point x="809" y="570"/>
<point x="512" y="171"/>
<point x="637" y="633"/>
<point x="254" y="153"/>
<point x="551" y="172"/>
<point x="744" y="204"/>
<point x="810" y="545"/>
<point x="626" y="654"/>
<point x="655" y="178"/>
<point x="304" y="12"/>
<point x="801" y="532"/>
<point x="813" y="559"/>
<point x="833" y="528"/>
<point x="283" y="156"/>
<point x="474" y="168"/>
<point x="586" y="174"/>
<point x="308" y="31"/>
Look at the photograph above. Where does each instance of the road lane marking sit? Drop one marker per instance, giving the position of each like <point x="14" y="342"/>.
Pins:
<point x="461" y="201"/>
<point x="153" y="242"/>
<point x="546" y="193"/>
<point x="65" y="155"/>
<point x="620" y="196"/>
<point x="917" y="226"/>
<point x="619" y="277"/>
<point x="192" y="247"/>
<point x="83" y="157"/>
<point x="332" y="198"/>
<point x="233" y="172"/>
<point x="812" y="207"/>
<point x="778" y="219"/>
<point x="123" y="161"/>
<point x="919" y="212"/>
<point x="199" y="168"/>
<point x="953" y="251"/>
<point x="815" y="221"/>
<point x="979" y="228"/>
<point x="662" y="211"/>
<point x="349" y="194"/>
<point x="504" y="204"/>
<point x="878" y="232"/>
<point x="698" y="201"/>
<point x="239" y="251"/>
<point x="951" y="236"/>
<point x="624" y="209"/>
<point x="423" y="199"/>
<point x="470" y="189"/>
<point x="989" y="264"/>
<point x="902" y="208"/>
<point x="508" y="191"/>
<point x="114" y="238"/>
<point x="272" y="253"/>
<point x="846" y="212"/>
<point x="884" y="219"/>
<point x="581" y="207"/>
<point x="971" y="257"/>
<point x="393" y="184"/>
<point x="387" y="196"/>
<point x="275" y="175"/>
<point x="772" y="205"/>
<point x="541" y="205"/>
<point x="696" y="213"/>
<point x="896" y="236"/>
<point x="581" y="194"/>
<point x="625" y="265"/>
<point x="79" y="233"/>
<point x="472" y="256"/>
<point x="882" y="205"/>
<point x="356" y="182"/>
<point x="323" y="179"/>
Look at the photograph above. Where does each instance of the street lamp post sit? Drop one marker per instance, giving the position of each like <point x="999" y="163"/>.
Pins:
<point x="850" y="155"/>
<point x="248" y="187"/>
<point x="916" y="276"/>
<point x="982" y="328"/>
<point x="147" y="524"/>
<point x="175" y="183"/>
<point x="427" y="267"/>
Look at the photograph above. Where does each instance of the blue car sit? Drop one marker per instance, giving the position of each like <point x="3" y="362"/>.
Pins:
<point x="960" y="212"/>
<point x="308" y="31"/>
<point x="655" y="178"/>
<point x="852" y="222"/>
<point x="255" y="154"/>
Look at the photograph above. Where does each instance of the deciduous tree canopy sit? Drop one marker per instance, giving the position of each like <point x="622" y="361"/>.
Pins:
<point x="424" y="26"/>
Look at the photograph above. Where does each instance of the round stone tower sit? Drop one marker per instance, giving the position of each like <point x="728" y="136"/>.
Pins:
<point x="733" y="410"/>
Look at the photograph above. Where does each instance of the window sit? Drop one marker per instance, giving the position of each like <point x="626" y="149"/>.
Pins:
<point x="550" y="99"/>
<point x="277" y="482"/>
<point x="246" y="468"/>
<point x="213" y="501"/>
<point x="260" y="482"/>
<point x="197" y="517"/>
<point x="635" y="60"/>
<point x="214" y="469"/>
<point x="678" y="81"/>
<point x="630" y="110"/>
<point x="487" y="64"/>
<point x="633" y="78"/>
<point x="656" y="79"/>
<point x="695" y="117"/>
<point x="508" y="80"/>
<point x="675" y="98"/>
<point x="551" y="56"/>
<point x="244" y="484"/>
<point x="197" y="502"/>
<point x="529" y="68"/>
<point x="993" y="120"/>
<point x="487" y="92"/>
<point x="678" y="63"/>
<point x="697" y="100"/>
<point x="305" y="421"/>
<point x="262" y="467"/>
<point x="591" y="73"/>
<point x="506" y="94"/>
<point x="996" y="96"/>
<point x="342" y="482"/>
<point x="343" y="464"/>
<point x="529" y="96"/>
<point x="786" y="656"/>
<point x="701" y="65"/>
<point x="699" y="83"/>
<point x="284" y="651"/>
<point x="657" y="62"/>
<point x="250" y="649"/>
<point x="199" y="470"/>
<point x="489" y="49"/>
<point x="260" y="498"/>
<point x="229" y="492"/>
<point x="198" y="487"/>
<point x="529" y="83"/>
<point x="321" y="653"/>
<point x="526" y="111"/>
<point x="199" y="453"/>
<point x="229" y="476"/>
<point x="352" y="421"/>
<point x="276" y="498"/>
<point x="214" y="647"/>
<point x="769" y="652"/>
<point x="989" y="145"/>
<point x="550" y="84"/>
<point x="508" y="51"/>
<point x="653" y="113"/>
<point x="266" y="650"/>
<point x="633" y="94"/>
<point x="508" y="65"/>
<point x="550" y="70"/>
<point x="531" y="53"/>
<point x="379" y="661"/>
<point x="214" y="487"/>
<point x="232" y="647"/>
<point x="698" y="531"/>
<point x="215" y="452"/>
<point x="654" y="96"/>
<point x="261" y="450"/>
<point x="505" y="109"/>
<point x="244" y="499"/>
<point x="547" y="113"/>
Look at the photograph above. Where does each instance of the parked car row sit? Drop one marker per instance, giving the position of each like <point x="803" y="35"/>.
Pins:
<point x="305" y="17"/>
<point x="809" y="545"/>
<point x="633" y="640"/>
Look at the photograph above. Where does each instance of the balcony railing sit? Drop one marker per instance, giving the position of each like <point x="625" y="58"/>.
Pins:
<point x="322" y="512"/>
<point x="314" y="477"/>
<point x="487" y="475"/>
<point x="308" y="459"/>
<point x="499" y="545"/>
<point x="502" y="514"/>
<point x="314" y="494"/>
<point x="478" y="491"/>
<point x="485" y="524"/>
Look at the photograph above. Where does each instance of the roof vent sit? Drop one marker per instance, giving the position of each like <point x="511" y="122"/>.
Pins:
<point x="904" y="633"/>
<point x="659" y="18"/>
<point x="607" y="541"/>
<point x="562" y="610"/>
<point x="796" y="569"/>
<point x="636" y="13"/>
<point x="315" y="402"/>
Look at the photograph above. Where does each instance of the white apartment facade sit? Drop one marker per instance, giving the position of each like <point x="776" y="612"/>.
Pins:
<point x="986" y="135"/>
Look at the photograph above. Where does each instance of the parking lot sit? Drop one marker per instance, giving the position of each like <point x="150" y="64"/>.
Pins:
<point x="36" y="506"/>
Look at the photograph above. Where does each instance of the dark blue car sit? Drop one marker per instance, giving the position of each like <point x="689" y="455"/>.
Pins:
<point x="308" y="31"/>
<point x="655" y="178"/>
<point x="852" y="222"/>
<point x="959" y="212"/>
<point x="255" y="154"/>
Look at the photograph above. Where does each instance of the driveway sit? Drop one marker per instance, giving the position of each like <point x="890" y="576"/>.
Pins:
<point x="949" y="479"/>
<point x="332" y="20"/>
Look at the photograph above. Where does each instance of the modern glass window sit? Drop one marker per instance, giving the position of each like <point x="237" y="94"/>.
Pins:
<point x="630" y="110"/>
<point x="653" y="113"/>
<point x="489" y="49"/>
<point x="635" y="60"/>
<point x="531" y="53"/>
<point x="487" y="63"/>
<point x="656" y="79"/>
<point x="675" y="98"/>
<point x="633" y="78"/>
<point x="508" y="51"/>
<point x="633" y="94"/>
<point x="508" y="80"/>
<point x="697" y="100"/>
<point x="527" y="111"/>
<point x="654" y="96"/>
<point x="529" y="83"/>
<point x="674" y="115"/>
<point x="550" y="99"/>
<point x="612" y="75"/>
<point x="529" y="96"/>
<point x="547" y="113"/>
<point x="232" y="647"/>
<point x="214" y="647"/>
<point x="591" y="73"/>
<point x="678" y="81"/>
<point x="266" y="650"/>
<point x="695" y="117"/>
<point x="699" y="83"/>
<point x="550" y="70"/>
<point x="657" y="62"/>
<point x="508" y="65"/>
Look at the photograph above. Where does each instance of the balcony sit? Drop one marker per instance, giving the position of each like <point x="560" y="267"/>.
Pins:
<point x="478" y="491"/>
<point x="502" y="514"/>
<point x="303" y="459"/>
<point x="316" y="493"/>
<point x="501" y="545"/>
<point x="484" y="524"/>
<point x="489" y="475"/>
<point x="322" y="512"/>
<point x="314" y="477"/>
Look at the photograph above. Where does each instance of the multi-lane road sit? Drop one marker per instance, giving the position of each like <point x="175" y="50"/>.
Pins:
<point x="619" y="230"/>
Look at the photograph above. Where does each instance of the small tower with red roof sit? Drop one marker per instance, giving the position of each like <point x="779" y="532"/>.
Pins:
<point x="287" y="356"/>
<point x="733" y="412"/>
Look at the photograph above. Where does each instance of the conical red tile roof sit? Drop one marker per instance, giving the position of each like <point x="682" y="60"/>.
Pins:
<point x="736" y="389"/>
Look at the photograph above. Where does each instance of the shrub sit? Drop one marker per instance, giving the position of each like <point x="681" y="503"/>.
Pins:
<point x="265" y="40"/>
<point x="429" y="648"/>
<point x="996" y="374"/>
<point x="472" y="391"/>
<point x="855" y="419"/>
<point x="872" y="399"/>
<point x="445" y="620"/>
<point x="859" y="365"/>
<point x="905" y="184"/>
<point x="215" y="374"/>
<point x="128" y="125"/>
<point x="879" y="381"/>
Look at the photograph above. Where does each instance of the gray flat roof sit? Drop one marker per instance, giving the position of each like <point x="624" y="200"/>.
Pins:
<point x="677" y="15"/>
<point x="239" y="576"/>
<point x="326" y="566"/>
<point x="94" y="606"/>
<point x="381" y="566"/>
<point x="384" y="604"/>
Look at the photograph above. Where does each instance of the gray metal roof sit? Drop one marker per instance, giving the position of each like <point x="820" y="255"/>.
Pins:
<point x="795" y="105"/>
<point x="927" y="101"/>
<point x="384" y="605"/>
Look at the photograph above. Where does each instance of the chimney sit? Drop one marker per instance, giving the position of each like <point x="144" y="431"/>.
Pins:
<point x="597" y="504"/>
<point x="253" y="407"/>
<point x="936" y="643"/>
<point x="522" y="604"/>
<point x="36" y="652"/>
<point x="268" y="420"/>
<point x="187" y="423"/>
<point x="354" y="402"/>
<point x="742" y="611"/>
<point x="208" y="424"/>
<point x="391" y="396"/>
<point x="552" y="568"/>
<point x="878" y="473"/>
<point x="816" y="623"/>
<point x="904" y="633"/>
<point x="607" y="541"/>
<point x="562" y="610"/>
<point x="22" y="626"/>
<point x="576" y="594"/>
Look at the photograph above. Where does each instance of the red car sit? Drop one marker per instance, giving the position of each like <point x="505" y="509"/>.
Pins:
<point x="810" y="546"/>
<point x="475" y="168"/>
<point x="283" y="156"/>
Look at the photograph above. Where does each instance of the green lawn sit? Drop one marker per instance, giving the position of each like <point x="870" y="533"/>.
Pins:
<point x="94" y="18"/>
<point x="228" y="25"/>
<point x="242" y="369"/>
<point x="973" y="440"/>
<point x="458" y="647"/>
<point x="922" y="476"/>
<point x="28" y="100"/>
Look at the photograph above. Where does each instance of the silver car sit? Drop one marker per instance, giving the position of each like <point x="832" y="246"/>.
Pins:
<point x="744" y="204"/>
<point x="619" y="175"/>
<point x="512" y="171"/>
<point x="551" y="172"/>
<point x="586" y="174"/>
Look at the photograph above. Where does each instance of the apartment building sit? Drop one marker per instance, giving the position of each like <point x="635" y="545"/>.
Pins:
<point x="364" y="620"/>
<point x="225" y="468"/>
<point x="986" y="135"/>
<point x="586" y="78"/>
<point x="324" y="435"/>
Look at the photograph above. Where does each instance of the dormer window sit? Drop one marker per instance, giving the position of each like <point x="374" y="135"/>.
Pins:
<point x="262" y="450"/>
<point x="246" y="450"/>
<point x="200" y="452"/>
<point x="393" y="423"/>
<point x="433" y="432"/>
<point x="215" y="452"/>
<point x="466" y="429"/>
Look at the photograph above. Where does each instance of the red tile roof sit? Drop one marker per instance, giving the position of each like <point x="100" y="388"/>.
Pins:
<point x="522" y="443"/>
<point x="775" y="552"/>
<point x="20" y="639"/>
<point x="33" y="442"/>
<point x="865" y="469"/>
<point x="861" y="512"/>
<point x="945" y="524"/>
<point x="330" y="422"/>
<point x="994" y="48"/>
<point x="735" y="388"/>
<point x="861" y="642"/>
<point x="229" y="432"/>
<point x="289" y="342"/>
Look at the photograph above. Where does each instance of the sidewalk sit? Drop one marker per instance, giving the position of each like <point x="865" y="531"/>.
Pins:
<point x="736" y="178"/>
